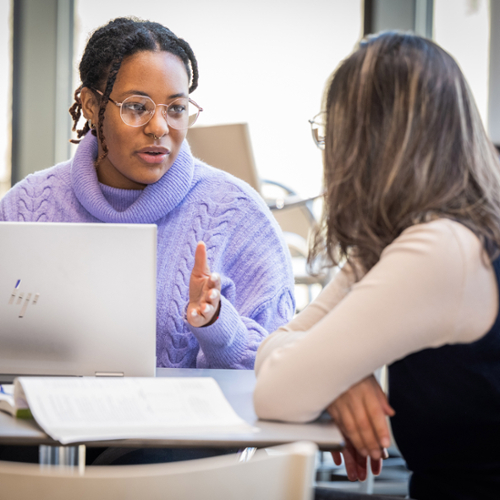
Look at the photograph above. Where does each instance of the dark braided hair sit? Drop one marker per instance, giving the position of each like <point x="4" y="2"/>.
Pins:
<point x="104" y="54"/>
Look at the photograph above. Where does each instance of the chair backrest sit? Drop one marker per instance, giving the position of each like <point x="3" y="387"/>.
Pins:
<point x="229" y="148"/>
<point x="226" y="147"/>
<point x="297" y="219"/>
<point x="280" y="473"/>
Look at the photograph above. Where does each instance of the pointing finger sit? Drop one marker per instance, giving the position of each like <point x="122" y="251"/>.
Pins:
<point x="200" y="260"/>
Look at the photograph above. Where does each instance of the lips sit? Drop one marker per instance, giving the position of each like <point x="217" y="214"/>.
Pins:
<point x="153" y="154"/>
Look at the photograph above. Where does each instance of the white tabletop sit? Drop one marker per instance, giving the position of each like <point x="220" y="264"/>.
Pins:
<point x="237" y="386"/>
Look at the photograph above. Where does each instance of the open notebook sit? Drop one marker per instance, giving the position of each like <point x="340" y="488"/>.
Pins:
<point x="90" y="409"/>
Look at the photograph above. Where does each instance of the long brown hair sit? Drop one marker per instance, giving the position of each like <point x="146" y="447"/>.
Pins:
<point x="404" y="144"/>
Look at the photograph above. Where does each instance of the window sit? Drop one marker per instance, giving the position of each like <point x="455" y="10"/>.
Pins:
<point x="462" y="28"/>
<point x="5" y="94"/>
<point x="261" y="62"/>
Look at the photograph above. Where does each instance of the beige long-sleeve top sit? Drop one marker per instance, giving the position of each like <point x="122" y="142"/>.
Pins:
<point x="433" y="285"/>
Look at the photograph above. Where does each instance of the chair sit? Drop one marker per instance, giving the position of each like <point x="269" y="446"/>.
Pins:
<point x="228" y="147"/>
<point x="280" y="473"/>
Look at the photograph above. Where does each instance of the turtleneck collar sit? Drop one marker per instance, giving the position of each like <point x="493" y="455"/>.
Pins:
<point x="153" y="203"/>
<point x="120" y="199"/>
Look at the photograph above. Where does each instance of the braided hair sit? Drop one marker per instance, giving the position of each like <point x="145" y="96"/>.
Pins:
<point x="104" y="54"/>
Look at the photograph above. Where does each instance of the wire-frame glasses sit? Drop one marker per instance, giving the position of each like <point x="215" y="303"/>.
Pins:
<point x="318" y="129"/>
<point x="137" y="111"/>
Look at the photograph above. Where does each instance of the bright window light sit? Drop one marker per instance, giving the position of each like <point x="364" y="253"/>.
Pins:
<point x="262" y="62"/>
<point x="5" y="95"/>
<point x="462" y="28"/>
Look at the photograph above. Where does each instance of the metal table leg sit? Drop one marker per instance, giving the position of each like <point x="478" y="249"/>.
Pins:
<point x="64" y="456"/>
<point x="246" y="454"/>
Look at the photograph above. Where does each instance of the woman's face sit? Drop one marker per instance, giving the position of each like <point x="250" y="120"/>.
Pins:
<point x="130" y="164"/>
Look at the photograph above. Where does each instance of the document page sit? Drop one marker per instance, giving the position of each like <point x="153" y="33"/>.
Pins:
<point x="85" y="409"/>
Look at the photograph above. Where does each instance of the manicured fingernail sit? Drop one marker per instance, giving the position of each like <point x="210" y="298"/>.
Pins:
<point x="386" y="442"/>
<point x="213" y="293"/>
<point x="207" y="308"/>
<point x="385" y="453"/>
<point x="215" y="276"/>
<point x="194" y="313"/>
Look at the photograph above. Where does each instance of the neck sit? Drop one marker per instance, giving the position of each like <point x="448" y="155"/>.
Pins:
<point x="109" y="176"/>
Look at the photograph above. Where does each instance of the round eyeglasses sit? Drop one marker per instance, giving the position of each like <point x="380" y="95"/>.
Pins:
<point x="137" y="111"/>
<point x="318" y="129"/>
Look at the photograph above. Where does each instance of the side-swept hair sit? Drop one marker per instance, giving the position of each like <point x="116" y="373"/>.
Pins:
<point x="404" y="145"/>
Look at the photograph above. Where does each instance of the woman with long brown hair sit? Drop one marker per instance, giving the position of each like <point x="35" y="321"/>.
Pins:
<point x="412" y="211"/>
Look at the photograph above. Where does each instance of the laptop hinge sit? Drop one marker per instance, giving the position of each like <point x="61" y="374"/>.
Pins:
<point x="109" y="374"/>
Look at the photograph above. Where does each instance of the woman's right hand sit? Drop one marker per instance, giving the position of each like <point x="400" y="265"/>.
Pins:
<point x="355" y="465"/>
<point x="360" y="413"/>
<point x="204" y="291"/>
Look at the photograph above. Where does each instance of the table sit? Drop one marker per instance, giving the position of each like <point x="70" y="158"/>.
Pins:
<point x="237" y="386"/>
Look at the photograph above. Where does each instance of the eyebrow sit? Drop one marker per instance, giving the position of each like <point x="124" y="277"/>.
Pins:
<point x="140" y="92"/>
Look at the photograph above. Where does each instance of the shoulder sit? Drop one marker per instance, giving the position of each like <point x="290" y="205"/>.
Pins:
<point x="442" y="242"/>
<point x="437" y="257"/>
<point x="57" y="174"/>
<point x="221" y="184"/>
<point x="236" y="219"/>
<point x="34" y="190"/>
<point x="437" y="270"/>
<point x="447" y="263"/>
<point x="453" y="260"/>
<point x="222" y="192"/>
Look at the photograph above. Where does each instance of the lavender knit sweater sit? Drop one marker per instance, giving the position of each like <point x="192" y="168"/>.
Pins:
<point x="191" y="202"/>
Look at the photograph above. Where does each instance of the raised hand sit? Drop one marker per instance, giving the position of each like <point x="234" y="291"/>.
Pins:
<point x="204" y="291"/>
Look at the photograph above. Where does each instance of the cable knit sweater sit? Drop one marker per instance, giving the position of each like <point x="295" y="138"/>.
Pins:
<point x="192" y="202"/>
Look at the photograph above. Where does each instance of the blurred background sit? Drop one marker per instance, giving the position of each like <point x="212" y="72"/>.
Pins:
<point x="263" y="62"/>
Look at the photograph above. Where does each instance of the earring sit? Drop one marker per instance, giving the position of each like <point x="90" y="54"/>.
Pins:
<point x="90" y="124"/>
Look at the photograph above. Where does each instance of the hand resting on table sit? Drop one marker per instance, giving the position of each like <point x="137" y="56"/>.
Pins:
<point x="360" y="413"/>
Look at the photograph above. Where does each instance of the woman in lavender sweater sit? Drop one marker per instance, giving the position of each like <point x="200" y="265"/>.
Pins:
<point x="133" y="165"/>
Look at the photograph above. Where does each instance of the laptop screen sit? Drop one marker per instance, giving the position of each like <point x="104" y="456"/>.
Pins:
<point x="77" y="299"/>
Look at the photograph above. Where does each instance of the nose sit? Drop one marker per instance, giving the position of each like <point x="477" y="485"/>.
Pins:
<point x="158" y="125"/>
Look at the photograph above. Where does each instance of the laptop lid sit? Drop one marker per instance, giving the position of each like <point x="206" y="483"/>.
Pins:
<point x="77" y="299"/>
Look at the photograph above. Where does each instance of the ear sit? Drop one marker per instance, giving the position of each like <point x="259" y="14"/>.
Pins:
<point x="90" y="106"/>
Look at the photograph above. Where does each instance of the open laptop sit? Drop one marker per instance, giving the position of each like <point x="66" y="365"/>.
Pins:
<point x="77" y="299"/>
